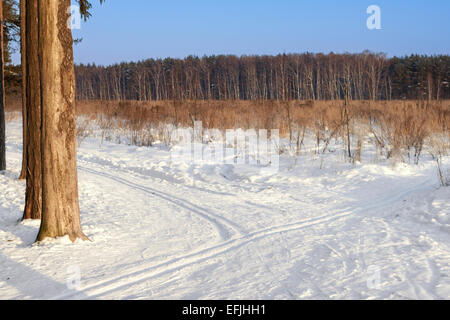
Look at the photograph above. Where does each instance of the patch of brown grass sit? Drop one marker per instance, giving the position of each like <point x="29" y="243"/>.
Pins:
<point x="396" y="126"/>
<point x="398" y="129"/>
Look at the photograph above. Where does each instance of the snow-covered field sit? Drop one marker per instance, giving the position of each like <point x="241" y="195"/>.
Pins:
<point x="162" y="229"/>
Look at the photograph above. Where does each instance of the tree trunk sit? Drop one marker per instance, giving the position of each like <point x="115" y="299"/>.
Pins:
<point x="23" y="57"/>
<point x="60" y="210"/>
<point x="347" y="122"/>
<point x="33" y="193"/>
<point x="2" y="97"/>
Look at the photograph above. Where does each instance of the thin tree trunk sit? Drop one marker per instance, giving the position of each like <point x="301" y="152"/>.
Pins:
<point x="2" y="97"/>
<point x="347" y="122"/>
<point x="33" y="193"/>
<point x="23" y="57"/>
<point x="60" y="210"/>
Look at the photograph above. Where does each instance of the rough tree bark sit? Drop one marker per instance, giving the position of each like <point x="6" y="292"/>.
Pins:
<point x="23" y="173"/>
<point x="2" y="97"/>
<point x="60" y="210"/>
<point x="33" y="193"/>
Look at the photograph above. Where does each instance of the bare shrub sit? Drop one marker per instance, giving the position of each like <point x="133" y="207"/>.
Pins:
<point x="84" y="129"/>
<point x="439" y="144"/>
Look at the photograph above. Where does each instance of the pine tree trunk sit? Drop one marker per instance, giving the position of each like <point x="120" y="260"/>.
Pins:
<point x="60" y="210"/>
<point x="23" y="173"/>
<point x="2" y="97"/>
<point x="33" y="193"/>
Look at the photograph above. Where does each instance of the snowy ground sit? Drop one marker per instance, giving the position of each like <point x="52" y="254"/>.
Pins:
<point x="174" y="230"/>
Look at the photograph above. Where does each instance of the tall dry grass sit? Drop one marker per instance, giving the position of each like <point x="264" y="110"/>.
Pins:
<point x="398" y="129"/>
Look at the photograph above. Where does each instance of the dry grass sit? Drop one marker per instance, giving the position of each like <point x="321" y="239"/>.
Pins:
<point x="399" y="129"/>
<point x="264" y="114"/>
<point x="13" y="103"/>
<point x="13" y="107"/>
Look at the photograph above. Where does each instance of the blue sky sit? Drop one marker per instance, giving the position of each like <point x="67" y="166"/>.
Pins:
<point x="125" y="30"/>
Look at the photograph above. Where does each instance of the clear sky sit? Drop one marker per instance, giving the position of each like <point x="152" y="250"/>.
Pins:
<point x="132" y="30"/>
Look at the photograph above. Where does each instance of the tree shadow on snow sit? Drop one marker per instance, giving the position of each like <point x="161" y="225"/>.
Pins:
<point x="31" y="284"/>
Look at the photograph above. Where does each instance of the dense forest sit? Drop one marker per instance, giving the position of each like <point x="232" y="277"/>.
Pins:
<point x="307" y="76"/>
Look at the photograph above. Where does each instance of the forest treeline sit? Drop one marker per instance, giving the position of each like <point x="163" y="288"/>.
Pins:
<point x="308" y="76"/>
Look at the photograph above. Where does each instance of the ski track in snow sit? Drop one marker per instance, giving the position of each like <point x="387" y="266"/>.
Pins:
<point x="224" y="227"/>
<point x="148" y="272"/>
<point x="196" y="257"/>
<point x="174" y="231"/>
